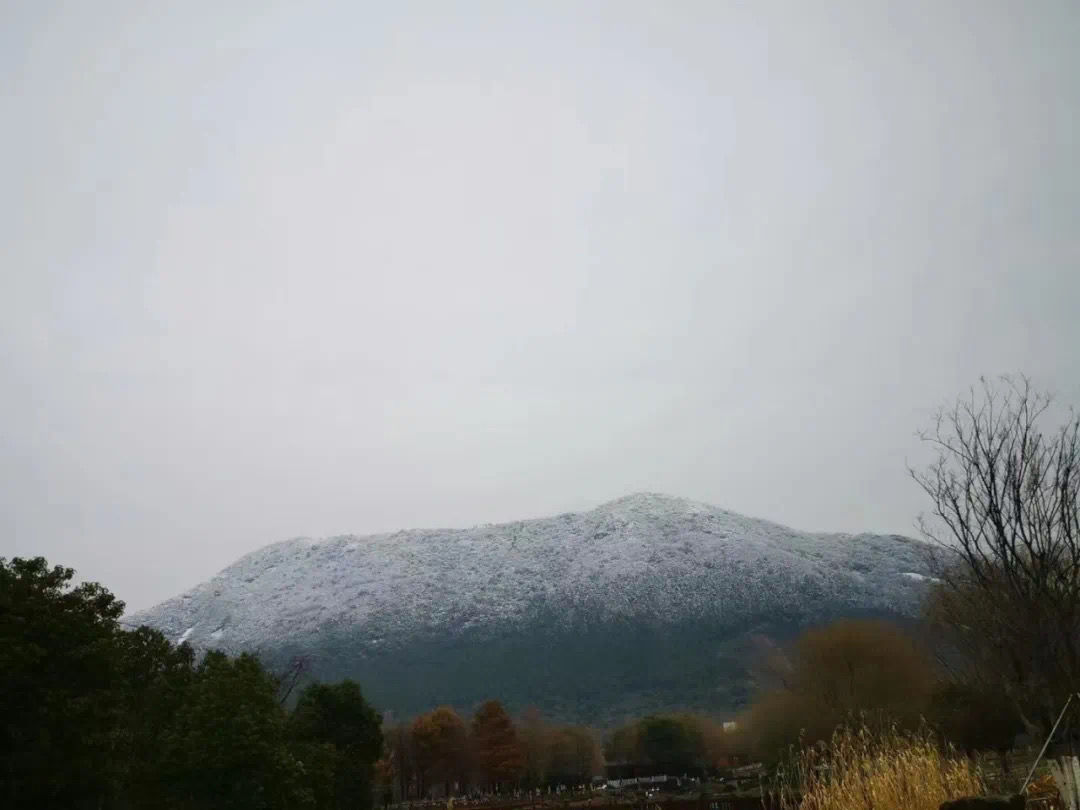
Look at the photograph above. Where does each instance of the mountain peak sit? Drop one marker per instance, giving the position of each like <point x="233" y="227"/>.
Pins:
<point x="644" y="496"/>
<point x="388" y="608"/>
<point x="654" y="502"/>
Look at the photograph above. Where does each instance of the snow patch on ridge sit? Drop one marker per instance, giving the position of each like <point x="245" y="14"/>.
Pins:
<point x="919" y="577"/>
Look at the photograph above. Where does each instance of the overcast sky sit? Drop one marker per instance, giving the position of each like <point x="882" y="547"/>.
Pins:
<point x="307" y="268"/>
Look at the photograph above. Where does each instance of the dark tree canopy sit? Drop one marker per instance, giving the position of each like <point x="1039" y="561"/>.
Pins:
<point x="96" y="716"/>
<point x="338" y="714"/>
<point x="671" y="745"/>
<point x="338" y="731"/>
<point x="227" y="747"/>
<point x="59" y="698"/>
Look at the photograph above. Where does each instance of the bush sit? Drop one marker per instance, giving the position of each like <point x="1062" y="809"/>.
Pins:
<point x="865" y="669"/>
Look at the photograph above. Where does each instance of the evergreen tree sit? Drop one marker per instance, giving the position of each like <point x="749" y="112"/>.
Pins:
<point x="671" y="745"/>
<point x="336" y="733"/>
<point x="93" y="716"/>
<point x="227" y="748"/>
<point x="157" y="679"/>
<point x="59" y="695"/>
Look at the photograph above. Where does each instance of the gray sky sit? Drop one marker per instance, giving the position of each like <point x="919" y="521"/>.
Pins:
<point x="279" y="269"/>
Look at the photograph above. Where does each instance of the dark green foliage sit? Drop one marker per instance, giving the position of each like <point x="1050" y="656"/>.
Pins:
<point x="337" y="734"/>
<point x="670" y="745"/>
<point x="159" y="679"/>
<point x="226" y="747"/>
<point x="598" y="672"/>
<point x="59" y="696"/>
<point x="660" y="744"/>
<point x="93" y="716"/>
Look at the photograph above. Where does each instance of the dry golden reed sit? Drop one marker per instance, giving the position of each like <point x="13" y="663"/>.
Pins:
<point x="884" y="769"/>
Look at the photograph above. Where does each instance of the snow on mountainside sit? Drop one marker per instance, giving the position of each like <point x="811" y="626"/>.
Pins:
<point x="642" y="557"/>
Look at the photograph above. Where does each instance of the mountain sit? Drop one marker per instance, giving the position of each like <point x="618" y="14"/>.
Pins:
<point x="645" y="603"/>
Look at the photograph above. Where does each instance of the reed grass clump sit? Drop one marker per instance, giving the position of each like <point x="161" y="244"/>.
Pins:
<point x="882" y="769"/>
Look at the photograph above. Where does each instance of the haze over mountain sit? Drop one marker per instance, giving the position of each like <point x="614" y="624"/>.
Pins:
<point x="646" y="602"/>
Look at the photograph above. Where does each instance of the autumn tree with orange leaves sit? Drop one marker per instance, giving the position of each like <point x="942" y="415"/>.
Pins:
<point x="499" y="754"/>
<point x="440" y="748"/>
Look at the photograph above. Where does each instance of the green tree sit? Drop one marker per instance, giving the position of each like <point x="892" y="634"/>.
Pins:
<point x="60" y="696"/>
<point x="94" y="716"/>
<point x="227" y="748"/>
<point x="334" y="727"/>
<point x="671" y="744"/>
<point x="156" y="677"/>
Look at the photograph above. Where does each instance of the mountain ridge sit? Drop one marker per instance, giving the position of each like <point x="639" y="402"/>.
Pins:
<point x="634" y="573"/>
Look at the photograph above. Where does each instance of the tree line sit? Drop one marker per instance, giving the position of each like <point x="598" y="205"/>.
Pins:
<point x="103" y="717"/>
<point x="442" y="753"/>
<point x="96" y="716"/>
<point x="872" y="674"/>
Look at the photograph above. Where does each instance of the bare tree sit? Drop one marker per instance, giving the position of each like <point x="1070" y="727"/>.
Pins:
<point x="1005" y="521"/>
<point x="290" y="676"/>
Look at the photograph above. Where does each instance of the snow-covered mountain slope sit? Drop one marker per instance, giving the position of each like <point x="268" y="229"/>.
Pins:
<point x="643" y="561"/>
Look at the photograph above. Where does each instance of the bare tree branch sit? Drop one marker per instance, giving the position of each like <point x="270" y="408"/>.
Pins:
<point x="291" y="676"/>
<point x="1004" y="518"/>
